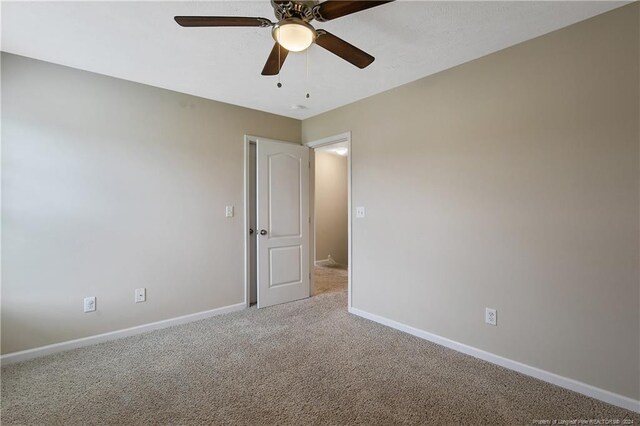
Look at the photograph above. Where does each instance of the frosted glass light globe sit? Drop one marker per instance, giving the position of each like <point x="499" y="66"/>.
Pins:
<point x="293" y="36"/>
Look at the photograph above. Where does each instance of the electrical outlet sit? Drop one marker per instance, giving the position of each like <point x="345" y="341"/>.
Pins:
<point x="360" y="212"/>
<point x="140" y="295"/>
<point x="228" y="211"/>
<point x="491" y="316"/>
<point x="90" y="304"/>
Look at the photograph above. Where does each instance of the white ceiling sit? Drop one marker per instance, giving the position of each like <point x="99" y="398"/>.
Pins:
<point x="139" y="41"/>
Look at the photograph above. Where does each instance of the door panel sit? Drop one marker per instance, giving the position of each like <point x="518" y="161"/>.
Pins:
<point x="284" y="265"/>
<point x="285" y="195"/>
<point x="283" y="222"/>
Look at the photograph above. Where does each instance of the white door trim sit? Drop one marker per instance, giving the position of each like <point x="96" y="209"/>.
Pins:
<point x="342" y="137"/>
<point x="247" y="261"/>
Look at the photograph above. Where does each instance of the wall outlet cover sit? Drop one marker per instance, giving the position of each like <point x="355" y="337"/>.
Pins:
<point x="491" y="316"/>
<point x="140" y="295"/>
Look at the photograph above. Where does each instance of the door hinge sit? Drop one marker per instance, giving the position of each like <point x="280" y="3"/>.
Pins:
<point x="309" y="275"/>
<point x="309" y="164"/>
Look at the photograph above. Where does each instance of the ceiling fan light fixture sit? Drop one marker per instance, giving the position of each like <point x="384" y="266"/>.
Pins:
<point x="295" y="35"/>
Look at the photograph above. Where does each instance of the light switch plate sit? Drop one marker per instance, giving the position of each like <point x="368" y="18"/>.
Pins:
<point x="360" y="212"/>
<point x="90" y="304"/>
<point x="228" y="211"/>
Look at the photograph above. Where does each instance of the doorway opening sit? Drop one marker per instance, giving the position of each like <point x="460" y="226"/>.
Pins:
<point x="297" y="219"/>
<point x="331" y="217"/>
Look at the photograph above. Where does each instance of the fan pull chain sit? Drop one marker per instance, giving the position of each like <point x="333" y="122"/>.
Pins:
<point x="308" y="73"/>
<point x="279" y="65"/>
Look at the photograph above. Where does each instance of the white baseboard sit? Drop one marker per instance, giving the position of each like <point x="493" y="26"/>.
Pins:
<point x="564" y="382"/>
<point x="329" y="261"/>
<point x="14" y="357"/>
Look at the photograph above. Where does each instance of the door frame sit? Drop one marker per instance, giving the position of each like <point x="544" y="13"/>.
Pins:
<point x="342" y="137"/>
<point x="248" y="140"/>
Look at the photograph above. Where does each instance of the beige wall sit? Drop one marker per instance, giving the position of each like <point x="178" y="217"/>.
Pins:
<point x="509" y="182"/>
<point x="108" y="186"/>
<point x="331" y="207"/>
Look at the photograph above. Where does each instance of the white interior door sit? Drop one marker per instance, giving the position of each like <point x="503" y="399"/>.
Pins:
<point x="283" y="222"/>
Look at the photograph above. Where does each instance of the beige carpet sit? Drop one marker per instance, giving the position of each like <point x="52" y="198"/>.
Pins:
<point x="302" y="363"/>
<point x="330" y="278"/>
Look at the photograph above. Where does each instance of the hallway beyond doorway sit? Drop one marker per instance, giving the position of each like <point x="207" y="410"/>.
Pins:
<point x="330" y="278"/>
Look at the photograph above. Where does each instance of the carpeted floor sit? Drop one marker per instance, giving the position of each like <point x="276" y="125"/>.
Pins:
<point x="303" y="363"/>
<point x="330" y="278"/>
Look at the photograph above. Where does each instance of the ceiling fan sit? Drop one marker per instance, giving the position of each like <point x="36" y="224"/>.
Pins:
<point x="293" y="32"/>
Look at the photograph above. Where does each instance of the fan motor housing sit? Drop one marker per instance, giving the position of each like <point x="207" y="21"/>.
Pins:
<point x="302" y="10"/>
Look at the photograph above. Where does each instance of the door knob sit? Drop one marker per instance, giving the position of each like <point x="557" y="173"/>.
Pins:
<point x="250" y="231"/>
<point x="263" y="232"/>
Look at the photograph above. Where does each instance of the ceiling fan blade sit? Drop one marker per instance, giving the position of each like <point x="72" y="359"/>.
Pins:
<point x="275" y="60"/>
<point x="332" y="9"/>
<point x="346" y="51"/>
<point x="221" y="21"/>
